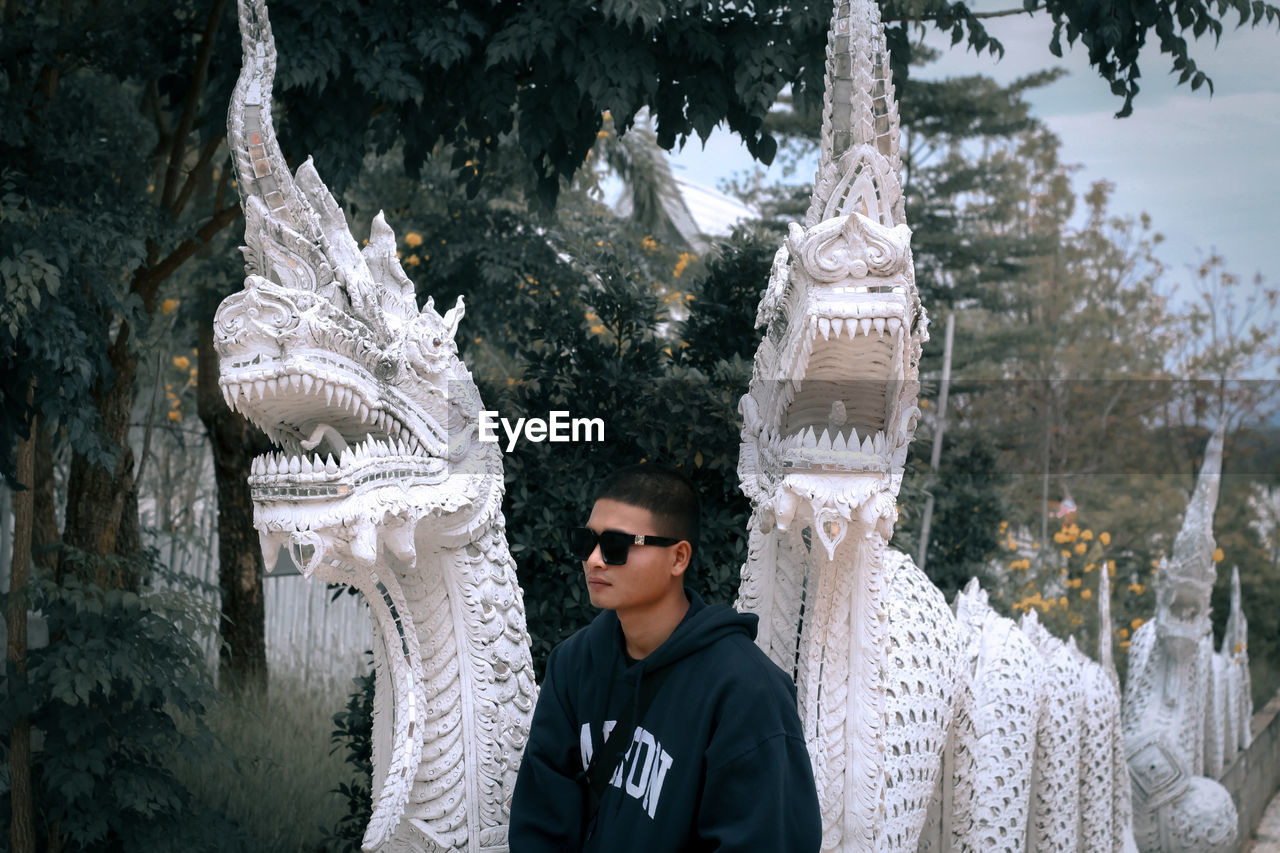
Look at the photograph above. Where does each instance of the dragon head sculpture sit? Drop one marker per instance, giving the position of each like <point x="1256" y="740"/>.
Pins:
<point x="831" y="408"/>
<point x="379" y="483"/>
<point x="326" y="351"/>
<point x="1184" y="583"/>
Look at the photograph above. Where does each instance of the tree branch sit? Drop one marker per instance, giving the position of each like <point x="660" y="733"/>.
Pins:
<point x="193" y="176"/>
<point x="1003" y="13"/>
<point x="148" y="279"/>
<point x="189" y="103"/>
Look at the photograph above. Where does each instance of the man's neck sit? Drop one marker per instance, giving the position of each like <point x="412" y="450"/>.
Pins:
<point x="645" y="630"/>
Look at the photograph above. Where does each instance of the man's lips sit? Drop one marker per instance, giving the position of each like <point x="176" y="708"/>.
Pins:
<point x="597" y="581"/>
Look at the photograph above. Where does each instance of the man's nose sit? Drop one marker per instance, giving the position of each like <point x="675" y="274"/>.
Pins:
<point x="595" y="559"/>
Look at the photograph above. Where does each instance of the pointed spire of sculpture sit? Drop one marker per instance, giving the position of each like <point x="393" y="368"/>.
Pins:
<point x="296" y="232"/>
<point x="1235" y="636"/>
<point x="1104" y="626"/>
<point x="859" y="166"/>
<point x="260" y="167"/>
<point x="1184" y="580"/>
<point x="1194" y="546"/>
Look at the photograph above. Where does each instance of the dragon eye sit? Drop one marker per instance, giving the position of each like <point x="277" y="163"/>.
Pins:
<point x="435" y="342"/>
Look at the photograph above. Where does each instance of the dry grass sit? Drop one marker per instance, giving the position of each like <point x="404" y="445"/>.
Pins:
<point x="274" y="773"/>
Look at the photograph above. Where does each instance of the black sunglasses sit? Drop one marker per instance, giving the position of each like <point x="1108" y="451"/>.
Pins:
<point x="614" y="544"/>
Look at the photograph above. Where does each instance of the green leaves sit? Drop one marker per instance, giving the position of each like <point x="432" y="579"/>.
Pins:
<point x="118" y="687"/>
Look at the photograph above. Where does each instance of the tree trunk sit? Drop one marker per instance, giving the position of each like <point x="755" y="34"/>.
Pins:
<point x="97" y="496"/>
<point x="22" y="834"/>
<point x="44" y="521"/>
<point x="242" y="661"/>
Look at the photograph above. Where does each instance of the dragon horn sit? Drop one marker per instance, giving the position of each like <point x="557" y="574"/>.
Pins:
<point x="261" y="171"/>
<point x="859" y="111"/>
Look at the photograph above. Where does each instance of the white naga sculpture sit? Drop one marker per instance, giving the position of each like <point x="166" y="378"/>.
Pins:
<point x="893" y="686"/>
<point x="381" y="484"/>
<point x="1187" y="709"/>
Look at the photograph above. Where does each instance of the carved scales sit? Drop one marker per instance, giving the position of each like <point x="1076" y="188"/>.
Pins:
<point x="380" y="483"/>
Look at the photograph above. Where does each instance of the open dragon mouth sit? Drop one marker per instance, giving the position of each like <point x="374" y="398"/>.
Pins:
<point x="335" y="437"/>
<point x="837" y="416"/>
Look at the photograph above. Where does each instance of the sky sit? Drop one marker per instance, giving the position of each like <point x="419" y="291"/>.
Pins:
<point x="1205" y="168"/>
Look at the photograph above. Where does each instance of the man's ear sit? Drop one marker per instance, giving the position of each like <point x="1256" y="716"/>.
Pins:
<point x="682" y="554"/>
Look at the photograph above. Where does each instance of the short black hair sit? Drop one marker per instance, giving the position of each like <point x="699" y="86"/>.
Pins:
<point x="661" y="490"/>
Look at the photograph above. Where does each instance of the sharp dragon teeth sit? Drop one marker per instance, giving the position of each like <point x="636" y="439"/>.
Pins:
<point x="328" y="394"/>
<point x="895" y="325"/>
<point x="824" y="440"/>
<point x="837" y="326"/>
<point x="809" y="439"/>
<point x="840" y="443"/>
<point x="260" y="388"/>
<point x="867" y="445"/>
<point x="330" y="467"/>
<point x="878" y="322"/>
<point x="271" y="465"/>
<point x="865" y="325"/>
<point x="307" y="383"/>
<point x="824" y="326"/>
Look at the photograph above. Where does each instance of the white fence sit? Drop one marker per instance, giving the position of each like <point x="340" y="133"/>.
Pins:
<point x="309" y="637"/>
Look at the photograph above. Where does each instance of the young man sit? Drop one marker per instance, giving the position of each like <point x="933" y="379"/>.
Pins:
<point x="712" y="756"/>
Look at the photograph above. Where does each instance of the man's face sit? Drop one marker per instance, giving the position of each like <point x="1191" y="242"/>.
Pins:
<point x="651" y="574"/>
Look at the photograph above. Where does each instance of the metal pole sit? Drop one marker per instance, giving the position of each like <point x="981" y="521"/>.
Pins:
<point x="935" y="458"/>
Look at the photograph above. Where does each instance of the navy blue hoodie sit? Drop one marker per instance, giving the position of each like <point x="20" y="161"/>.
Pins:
<point x="717" y="763"/>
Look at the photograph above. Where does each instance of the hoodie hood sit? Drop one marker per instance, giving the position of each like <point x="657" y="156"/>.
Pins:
<point x="703" y="625"/>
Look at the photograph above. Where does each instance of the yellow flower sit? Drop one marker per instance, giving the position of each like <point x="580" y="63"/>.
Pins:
<point x="1066" y="553"/>
<point x="1086" y="535"/>
<point x="1081" y="547"/>
<point x="1111" y="568"/>
<point x="1104" y="537"/>
<point x="1218" y="556"/>
<point x="682" y="263"/>
<point x="169" y="306"/>
<point x="413" y="261"/>
<point x="1091" y="567"/>
<point x="182" y="362"/>
<point x="176" y="416"/>
<point x="1086" y="593"/>
<point x="1063" y="601"/>
<point x="1074" y="582"/>
<point x="1124" y="633"/>
<point x="1137" y="623"/>
<point x="1137" y="588"/>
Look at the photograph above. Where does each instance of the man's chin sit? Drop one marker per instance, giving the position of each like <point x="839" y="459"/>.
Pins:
<point x="599" y="596"/>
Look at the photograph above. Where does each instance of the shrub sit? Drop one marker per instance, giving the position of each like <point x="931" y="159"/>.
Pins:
<point x="120" y="686"/>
